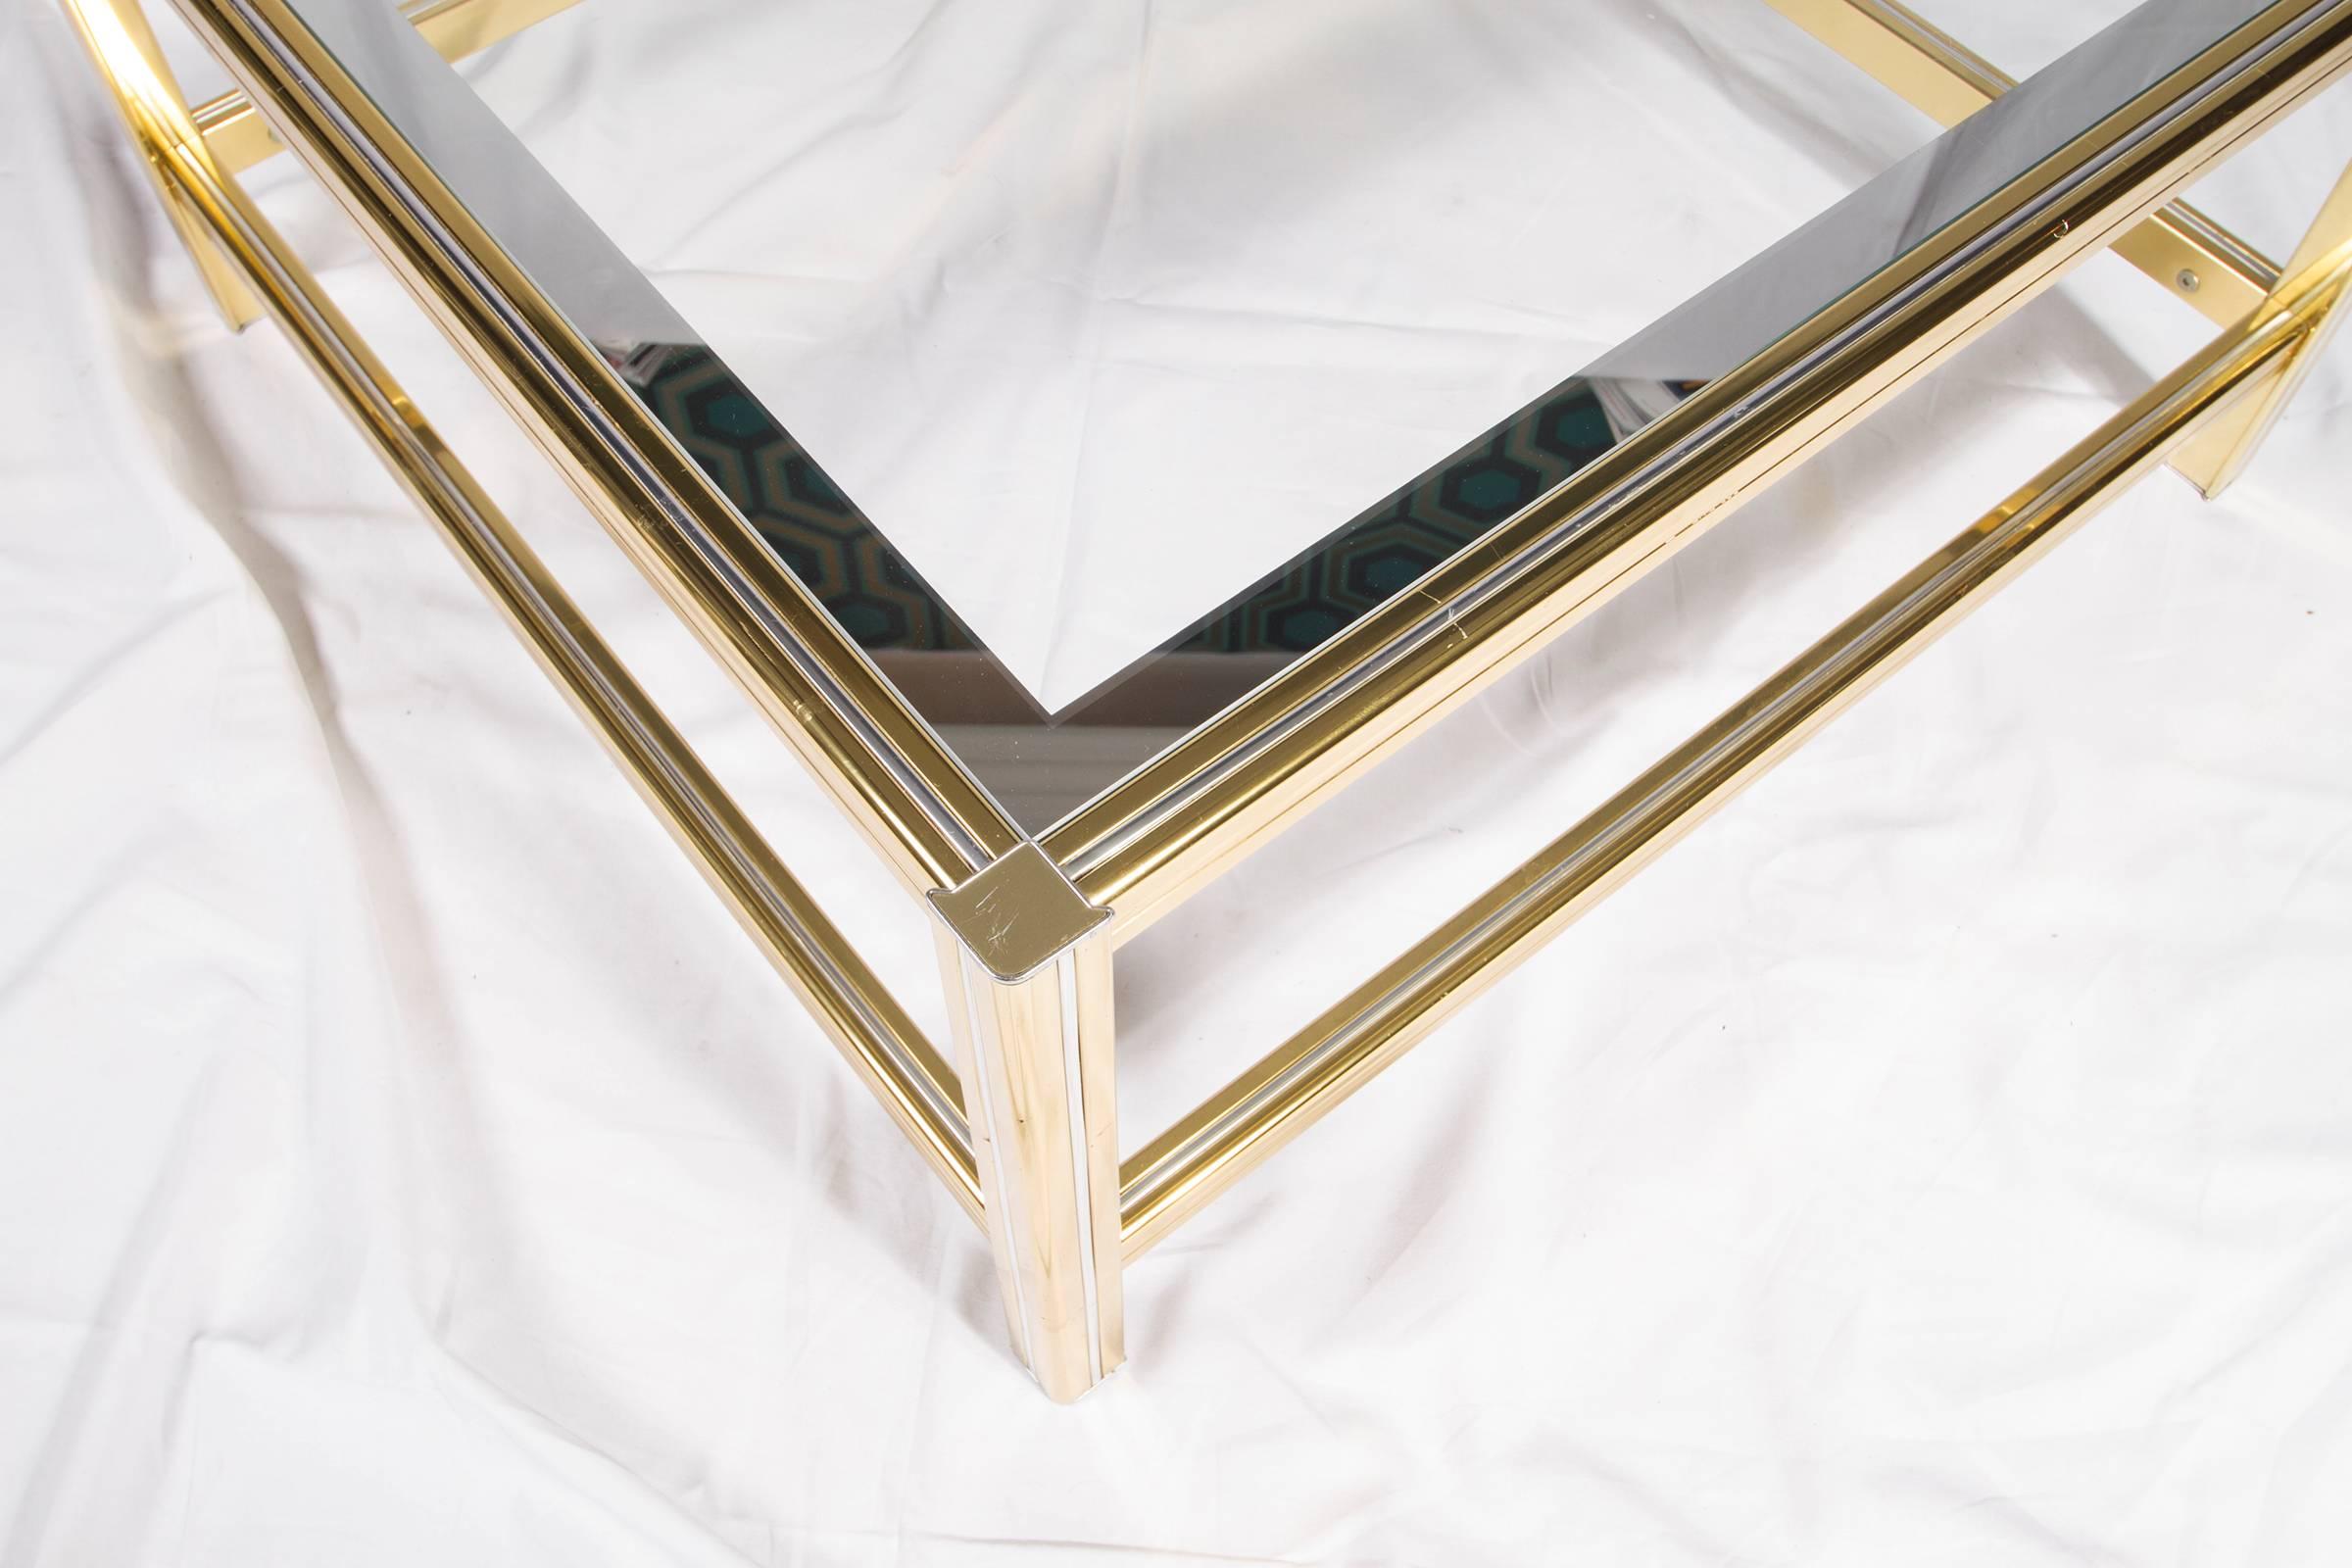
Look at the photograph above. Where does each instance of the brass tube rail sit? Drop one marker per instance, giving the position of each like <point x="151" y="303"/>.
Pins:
<point x="845" y="997"/>
<point x="2220" y="452"/>
<point x="2189" y="254"/>
<point x="931" y="822"/>
<point x="1296" y="1084"/>
<point x="239" y="137"/>
<point x="1241" y="778"/>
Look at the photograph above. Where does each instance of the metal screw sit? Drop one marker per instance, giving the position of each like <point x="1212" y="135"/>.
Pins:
<point x="2188" y="281"/>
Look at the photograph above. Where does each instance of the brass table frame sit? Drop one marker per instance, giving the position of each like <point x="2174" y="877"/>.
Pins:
<point x="1023" y="1129"/>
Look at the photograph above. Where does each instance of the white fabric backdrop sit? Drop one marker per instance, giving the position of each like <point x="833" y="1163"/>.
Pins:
<point x="1944" y="1157"/>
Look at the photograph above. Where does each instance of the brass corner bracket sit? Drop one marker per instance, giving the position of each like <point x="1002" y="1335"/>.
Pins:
<point x="1017" y="915"/>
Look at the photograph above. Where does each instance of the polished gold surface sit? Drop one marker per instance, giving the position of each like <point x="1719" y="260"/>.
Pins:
<point x="2180" y="247"/>
<point x="1920" y="63"/>
<point x="122" y="47"/>
<point x="1041" y="1098"/>
<point x="1257" y="767"/>
<point x="1018" y="916"/>
<point x="2215" y="459"/>
<point x="239" y="137"/>
<point x="921" y="810"/>
<point x="1294" y="1086"/>
<point x="839" y="990"/>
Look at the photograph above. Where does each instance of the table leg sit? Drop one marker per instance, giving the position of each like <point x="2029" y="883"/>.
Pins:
<point x="1027" y="963"/>
<point x="122" y="46"/>
<point x="2201" y="262"/>
<point x="2215" y="457"/>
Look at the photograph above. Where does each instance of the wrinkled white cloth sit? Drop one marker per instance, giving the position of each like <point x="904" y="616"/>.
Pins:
<point x="1942" y="1157"/>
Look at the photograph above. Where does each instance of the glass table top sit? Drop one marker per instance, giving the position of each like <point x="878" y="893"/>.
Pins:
<point x="1090" y="362"/>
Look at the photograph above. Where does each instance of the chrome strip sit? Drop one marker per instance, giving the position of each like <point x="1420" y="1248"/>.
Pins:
<point x="1081" y="1161"/>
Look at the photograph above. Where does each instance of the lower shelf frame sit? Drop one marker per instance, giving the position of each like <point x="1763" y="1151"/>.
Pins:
<point x="1289" y="1089"/>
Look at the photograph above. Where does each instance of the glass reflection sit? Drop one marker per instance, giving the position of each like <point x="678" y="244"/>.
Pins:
<point x="1039" y="765"/>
